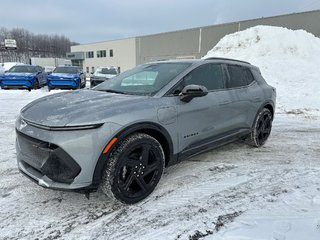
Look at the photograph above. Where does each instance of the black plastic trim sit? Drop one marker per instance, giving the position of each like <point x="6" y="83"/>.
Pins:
<point x="212" y="143"/>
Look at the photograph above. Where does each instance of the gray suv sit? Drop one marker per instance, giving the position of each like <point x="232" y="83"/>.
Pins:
<point x="120" y="135"/>
<point x="102" y="74"/>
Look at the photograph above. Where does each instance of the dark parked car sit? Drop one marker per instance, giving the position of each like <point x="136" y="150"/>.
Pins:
<point x="69" y="77"/>
<point x="102" y="74"/>
<point x="24" y="76"/>
<point x="122" y="134"/>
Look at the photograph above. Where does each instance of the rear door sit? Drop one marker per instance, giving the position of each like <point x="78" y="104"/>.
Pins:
<point x="239" y="95"/>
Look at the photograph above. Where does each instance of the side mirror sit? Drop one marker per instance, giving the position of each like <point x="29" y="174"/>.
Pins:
<point x="191" y="91"/>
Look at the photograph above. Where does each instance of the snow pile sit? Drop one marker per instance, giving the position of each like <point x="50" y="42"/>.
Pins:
<point x="288" y="59"/>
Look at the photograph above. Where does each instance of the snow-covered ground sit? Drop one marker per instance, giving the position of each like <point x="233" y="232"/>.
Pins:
<point x="234" y="192"/>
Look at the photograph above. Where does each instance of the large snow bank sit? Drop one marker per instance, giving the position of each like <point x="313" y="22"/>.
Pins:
<point x="288" y="59"/>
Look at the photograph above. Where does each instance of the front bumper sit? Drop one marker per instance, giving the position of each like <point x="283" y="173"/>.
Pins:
<point x="63" y="160"/>
<point x="45" y="159"/>
<point x="66" y="83"/>
<point x="16" y="83"/>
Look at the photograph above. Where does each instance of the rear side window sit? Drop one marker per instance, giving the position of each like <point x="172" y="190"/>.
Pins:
<point x="239" y="76"/>
<point x="249" y="76"/>
<point x="208" y="75"/>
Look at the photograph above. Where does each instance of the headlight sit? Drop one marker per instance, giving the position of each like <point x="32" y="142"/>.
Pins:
<point x="21" y="123"/>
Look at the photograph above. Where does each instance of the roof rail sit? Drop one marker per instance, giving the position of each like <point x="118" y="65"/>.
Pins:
<point x="228" y="59"/>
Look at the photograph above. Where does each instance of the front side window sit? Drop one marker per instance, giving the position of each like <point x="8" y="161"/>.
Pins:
<point x="208" y="75"/>
<point x="146" y="79"/>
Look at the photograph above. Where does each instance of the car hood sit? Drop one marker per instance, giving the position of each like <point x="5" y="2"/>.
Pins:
<point x="62" y="75"/>
<point x="76" y="108"/>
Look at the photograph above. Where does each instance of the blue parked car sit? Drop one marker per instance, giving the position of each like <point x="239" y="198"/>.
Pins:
<point x="24" y="76"/>
<point x="67" y="77"/>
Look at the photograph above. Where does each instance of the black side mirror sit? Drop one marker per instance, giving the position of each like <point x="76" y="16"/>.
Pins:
<point x="191" y="91"/>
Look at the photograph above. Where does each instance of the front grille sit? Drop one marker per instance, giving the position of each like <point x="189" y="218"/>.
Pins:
<point x="35" y="152"/>
<point x="47" y="158"/>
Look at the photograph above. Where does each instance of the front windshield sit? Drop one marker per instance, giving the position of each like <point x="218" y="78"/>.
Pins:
<point x="22" y="69"/>
<point x="146" y="79"/>
<point x="112" y="71"/>
<point x="68" y="70"/>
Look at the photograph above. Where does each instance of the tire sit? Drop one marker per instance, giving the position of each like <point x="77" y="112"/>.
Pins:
<point x="134" y="169"/>
<point x="261" y="129"/>
<point x="83" y="85"/>
<point x="36" y="84"/>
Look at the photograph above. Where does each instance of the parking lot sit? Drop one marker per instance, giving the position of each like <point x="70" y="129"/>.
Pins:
<point x="274" y="189"/>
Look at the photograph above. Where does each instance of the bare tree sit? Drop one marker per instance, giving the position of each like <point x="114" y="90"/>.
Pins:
<point x="33" y="45"/>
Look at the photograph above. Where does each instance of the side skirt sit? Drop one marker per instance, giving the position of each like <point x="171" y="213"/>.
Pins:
<point x="209" y="144"/>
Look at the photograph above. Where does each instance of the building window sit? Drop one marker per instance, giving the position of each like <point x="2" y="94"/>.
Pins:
<point x="87" y="69"/>
<point x="89" y="54"/>
<point x="111" y="52"/>
<point x="101" y="53"/>
<point x="92" y="70"/>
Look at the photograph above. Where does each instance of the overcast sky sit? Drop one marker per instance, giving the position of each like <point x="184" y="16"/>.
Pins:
<point x="86" y="21"/>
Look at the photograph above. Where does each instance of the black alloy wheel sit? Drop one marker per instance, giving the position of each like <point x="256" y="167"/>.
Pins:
<point x="261" y="129"/>
<point x="133" y="169"/>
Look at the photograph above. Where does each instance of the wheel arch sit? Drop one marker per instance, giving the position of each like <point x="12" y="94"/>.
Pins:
<point x="153" y="129"/>
<point x="270" y="107"/>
